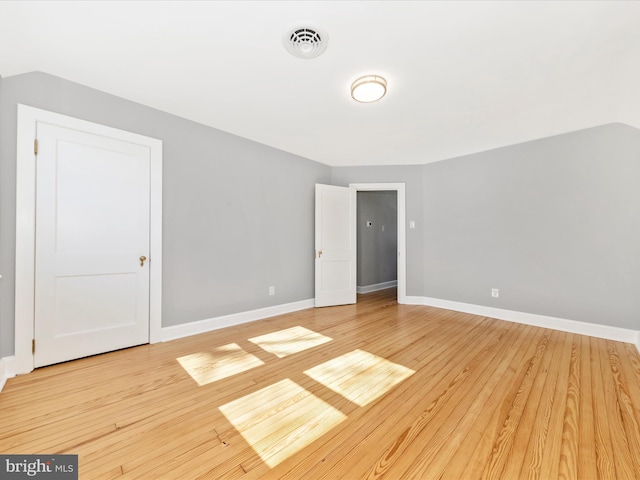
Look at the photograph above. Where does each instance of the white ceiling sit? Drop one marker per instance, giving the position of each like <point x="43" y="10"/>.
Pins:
<point x="463" y="76"/>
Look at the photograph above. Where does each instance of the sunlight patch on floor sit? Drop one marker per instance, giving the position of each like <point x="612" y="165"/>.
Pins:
<point x="289" y="341"/>
<point x="219" y="363"/>
<point x="359" y="376"/>
<point x="281" y="419"/>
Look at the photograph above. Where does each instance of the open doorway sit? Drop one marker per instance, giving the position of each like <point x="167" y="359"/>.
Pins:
<point x="377" y="240"/>
<point x="380" y="252"/>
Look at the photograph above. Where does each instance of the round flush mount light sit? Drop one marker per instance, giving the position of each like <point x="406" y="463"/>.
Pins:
<point x="370" y="88"/>
<point x="305" y="42"/>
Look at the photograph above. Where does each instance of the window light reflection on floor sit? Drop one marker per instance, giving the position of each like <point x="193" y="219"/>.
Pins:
<point x="289" y="341"/>
<point x="219" y="363"/>
<point x="280" y="420"/>
<point x="359" y="376"/>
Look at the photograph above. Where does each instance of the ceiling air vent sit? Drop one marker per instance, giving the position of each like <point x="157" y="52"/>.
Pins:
<point x="305" y="42"/>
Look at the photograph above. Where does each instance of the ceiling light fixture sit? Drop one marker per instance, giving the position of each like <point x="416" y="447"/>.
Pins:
<point x="370" y="88"/>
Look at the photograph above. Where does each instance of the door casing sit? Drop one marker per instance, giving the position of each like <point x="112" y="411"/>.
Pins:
<point x="25" y="225"/>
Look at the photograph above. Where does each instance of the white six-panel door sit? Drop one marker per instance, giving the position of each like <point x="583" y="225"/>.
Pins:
<point x="92" y="230"/>
<point x="335" y="265"/>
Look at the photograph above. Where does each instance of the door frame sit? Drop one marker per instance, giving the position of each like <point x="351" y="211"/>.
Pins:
<point x="401" y="228"/>
<point x="25" y="224"/>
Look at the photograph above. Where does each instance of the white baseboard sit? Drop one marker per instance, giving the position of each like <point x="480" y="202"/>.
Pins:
<point x="6" y="370"/>
<point x="194" y="328"/>
<point x="411" y="300"/>
<point x="377" y="286"/>
<point x="203" y="326"/>
<point x="209" y="324"/>
<point x="572" y="326"/>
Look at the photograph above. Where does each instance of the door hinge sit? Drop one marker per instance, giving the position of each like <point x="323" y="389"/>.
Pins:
<point x="35" y="146"/>
<point x="33" y="346"/>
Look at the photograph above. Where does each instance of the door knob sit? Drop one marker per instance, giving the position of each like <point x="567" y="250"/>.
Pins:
<point x="319" y="253"/>
<point x="142" y="260"/>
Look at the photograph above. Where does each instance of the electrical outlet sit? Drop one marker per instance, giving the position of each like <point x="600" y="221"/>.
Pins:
<point x="495" y="293"/>
<point x="272" y="290"/>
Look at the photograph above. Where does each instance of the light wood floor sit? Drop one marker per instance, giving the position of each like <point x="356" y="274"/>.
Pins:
<point x="373" y="390"/>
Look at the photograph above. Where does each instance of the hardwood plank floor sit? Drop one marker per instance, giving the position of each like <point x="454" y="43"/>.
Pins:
<point x="375" y="390"/>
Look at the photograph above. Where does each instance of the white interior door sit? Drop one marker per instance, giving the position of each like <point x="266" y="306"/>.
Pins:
<point x="335" y="245"/>
<point x="92" y="228"/>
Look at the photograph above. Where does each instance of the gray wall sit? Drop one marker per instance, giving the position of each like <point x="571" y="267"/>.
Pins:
<point x="553" y="223"/>
<point x="237" y="215"/>
<point x="7" y="217"/>
<point x="377" y="243"/>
